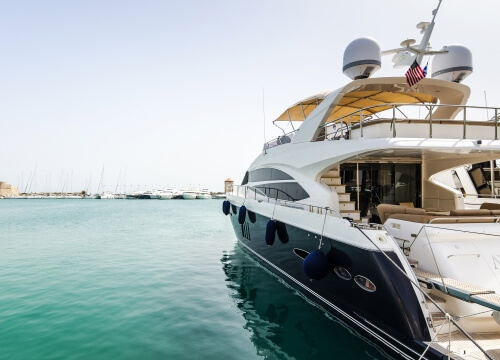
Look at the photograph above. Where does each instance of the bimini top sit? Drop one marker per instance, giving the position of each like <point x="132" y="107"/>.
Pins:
<point x="376" y="94"/>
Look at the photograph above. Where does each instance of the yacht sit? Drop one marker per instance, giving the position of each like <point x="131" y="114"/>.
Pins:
<point x="347" y="209"/>
<point x="189" y="194"/>
<point x="147" y="195"/>
<point x="204" y="194"/>
<point x="105" y="195"/>
<point x="166" y="194"/>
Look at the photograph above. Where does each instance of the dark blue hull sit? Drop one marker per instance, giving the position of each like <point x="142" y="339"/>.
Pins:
<point x="390" y="316"/>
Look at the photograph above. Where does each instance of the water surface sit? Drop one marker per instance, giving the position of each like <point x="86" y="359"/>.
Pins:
<point x="130" y="279"/>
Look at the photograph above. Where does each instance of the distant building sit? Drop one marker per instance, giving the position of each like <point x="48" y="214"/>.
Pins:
<point x="7" y="190"/>
<point x="228" y="185"/>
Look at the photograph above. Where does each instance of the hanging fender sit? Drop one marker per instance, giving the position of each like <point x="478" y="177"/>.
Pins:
<point x="282" y="233"/>
<point x="226" y="206"/>
<point x="252" y="217"/>
<point x="270" y="232"/>
<point x="316" y="265"/>
<point x="242" y="214"/>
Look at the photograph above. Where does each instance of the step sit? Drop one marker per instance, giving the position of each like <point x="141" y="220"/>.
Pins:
<point x="338" y="188"/>
<point x="413" y="263"/>
<point x="459" y="289"/>
<point x="344" y="197"/>
<point x="436" y="298"/>
<point x="347" y="205"/>
<point x="332" y="180"/>
<point x="438" y="320"/>
<point x="330" y="173"/>
<point x="439" y="302"/>
<point x="353" y="214"/>
<point x="463" y="348"/>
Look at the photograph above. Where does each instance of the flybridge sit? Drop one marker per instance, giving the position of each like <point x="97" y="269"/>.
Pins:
<point x="366" y="98"/>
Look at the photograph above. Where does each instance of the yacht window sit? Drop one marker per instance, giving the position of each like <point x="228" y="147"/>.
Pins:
<point x="387" y="183"/>
<point x="342" y="273"/>
<point x="268" y="174"/>
<point x="290" y="191"/>
<point x="245" y="179"/>
<point x="365" y="283"/>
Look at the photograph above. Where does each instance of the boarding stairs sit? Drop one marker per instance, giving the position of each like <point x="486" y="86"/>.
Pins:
<point x="448" y="335"/>
<point x="347" y="208"/>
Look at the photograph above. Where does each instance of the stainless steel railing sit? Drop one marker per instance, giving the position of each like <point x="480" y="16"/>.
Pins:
<point x="250" y="192"/>
<point x="360" y="118"/>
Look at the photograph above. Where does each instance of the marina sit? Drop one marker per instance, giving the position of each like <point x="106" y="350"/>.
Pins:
<point x="168" y="194"/>
<point x="363" y="221"/>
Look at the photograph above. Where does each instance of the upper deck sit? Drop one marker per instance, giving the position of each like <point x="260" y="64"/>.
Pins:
<point x="389" y="108"/>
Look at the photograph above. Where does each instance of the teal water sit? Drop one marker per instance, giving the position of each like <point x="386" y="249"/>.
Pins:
<point x="148" y="279"/>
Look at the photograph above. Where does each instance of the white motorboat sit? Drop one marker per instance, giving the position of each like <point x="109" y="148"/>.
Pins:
<point x="165" y="194"/>
<point x="346" y="210"/>
<point x="147" y="195"/>
<point x="106" y="195"/>
<point x="189" y="194"/>
<point x="204" y="194"/>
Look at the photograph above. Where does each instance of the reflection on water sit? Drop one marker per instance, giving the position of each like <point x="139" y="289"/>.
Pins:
<point x="284" y="325"/>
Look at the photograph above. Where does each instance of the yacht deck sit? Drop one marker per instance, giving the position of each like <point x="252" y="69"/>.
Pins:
<point x="463" y="348"/>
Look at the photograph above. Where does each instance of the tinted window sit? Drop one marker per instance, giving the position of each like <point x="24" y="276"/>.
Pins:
<point x="267" y="174"/>
<point x="284" y="191"/>
<point x="245" y="179"/>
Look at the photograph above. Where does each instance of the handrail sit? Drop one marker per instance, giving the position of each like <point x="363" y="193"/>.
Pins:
<point x="280" y="140"/>
<point x="428" y="116"/>
<point x="449" y="318"/>
<point x="250" y="192"/>
<point x="364" y="118"/>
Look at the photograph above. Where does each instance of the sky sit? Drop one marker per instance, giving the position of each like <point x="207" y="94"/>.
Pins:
<point x="157" y="93"/>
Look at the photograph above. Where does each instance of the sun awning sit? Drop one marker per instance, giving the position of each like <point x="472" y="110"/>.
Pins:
<point x="353" y="101"/>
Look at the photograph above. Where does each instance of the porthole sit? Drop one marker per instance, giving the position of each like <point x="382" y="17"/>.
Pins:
<point x="342" y="273"/>
<point x="365" y="283"/>
<point x="300" y="253"/>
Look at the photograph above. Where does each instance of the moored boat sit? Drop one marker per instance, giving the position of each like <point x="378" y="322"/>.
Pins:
<point x="346" y="210"/>
<point x="204" y="194"/>
<point x="189" y="194"/>
<point x="166" y="194"/>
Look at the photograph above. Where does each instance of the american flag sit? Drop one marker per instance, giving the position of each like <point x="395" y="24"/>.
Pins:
<point x="415" y="73"/>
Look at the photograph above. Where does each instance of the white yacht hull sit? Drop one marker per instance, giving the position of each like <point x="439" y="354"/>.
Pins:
<point x="189" y="196"/>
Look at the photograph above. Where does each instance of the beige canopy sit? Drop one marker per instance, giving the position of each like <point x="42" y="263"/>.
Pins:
<point x="353" y="101"/>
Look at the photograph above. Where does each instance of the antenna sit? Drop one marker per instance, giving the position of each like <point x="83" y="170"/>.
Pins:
<point x="486" y="103"/>
<point x="264" y="115"/>
<point x="403" y="54"/>
<point x="427" y="35"/>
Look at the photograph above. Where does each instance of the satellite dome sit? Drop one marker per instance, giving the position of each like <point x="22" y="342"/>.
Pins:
<point x="361" y="58"/>
<point x="454" y="66"/>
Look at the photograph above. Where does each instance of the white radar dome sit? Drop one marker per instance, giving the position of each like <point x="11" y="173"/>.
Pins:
<point x="361" y="58"/>
<point x="454" y="66"/>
